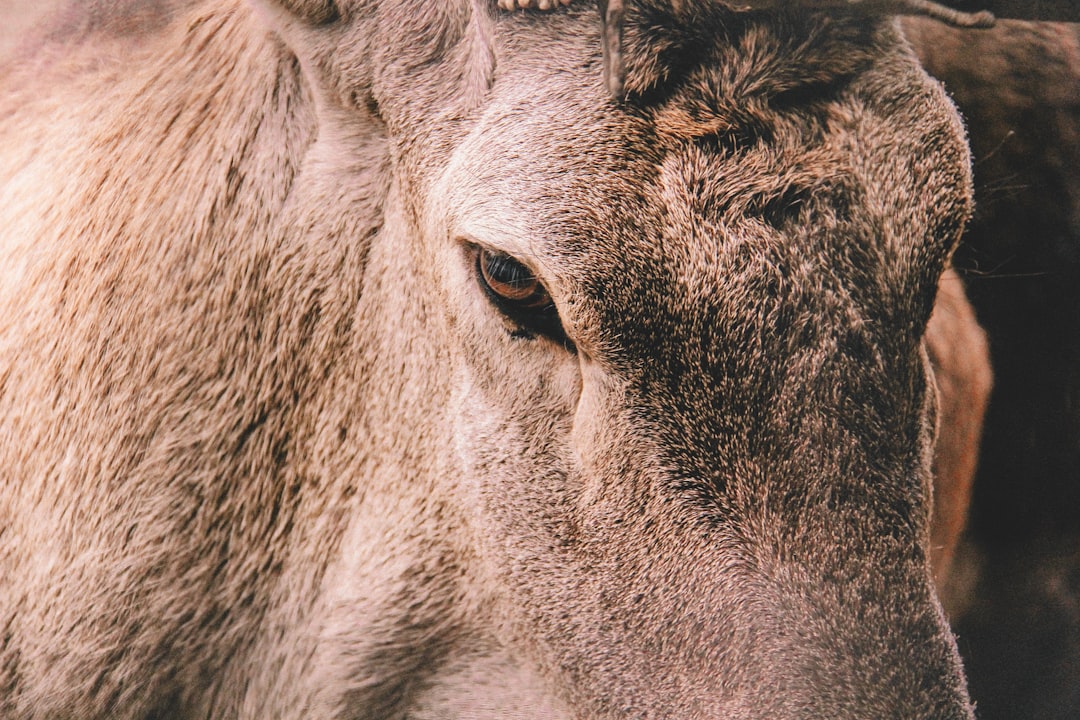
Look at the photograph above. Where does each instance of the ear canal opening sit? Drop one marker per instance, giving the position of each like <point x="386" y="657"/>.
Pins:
<point x="316" y="12"/>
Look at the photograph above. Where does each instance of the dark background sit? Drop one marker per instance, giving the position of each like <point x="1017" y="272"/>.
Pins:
<point x="1018" y="86"/>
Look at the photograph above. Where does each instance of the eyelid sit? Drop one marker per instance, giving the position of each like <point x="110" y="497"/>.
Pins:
<point x="525" y="260"/>
<point x="534" y="312"/>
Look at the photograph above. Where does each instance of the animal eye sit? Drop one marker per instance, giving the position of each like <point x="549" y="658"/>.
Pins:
<point x="510" y="281"/>
<point x="516" y="291"/>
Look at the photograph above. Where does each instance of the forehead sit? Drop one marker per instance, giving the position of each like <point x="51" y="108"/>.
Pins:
<point x="672" y="204"/>
<point x="538" y="181"/>
<point x="640" y="236"/>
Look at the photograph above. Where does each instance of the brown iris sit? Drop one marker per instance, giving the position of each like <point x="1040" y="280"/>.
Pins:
<point x="510" y="281"/>
<point x="516" y="291"/>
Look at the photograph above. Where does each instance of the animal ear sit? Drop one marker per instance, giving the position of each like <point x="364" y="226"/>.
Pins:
<point x="410" y="62"/>
<point x="450" y="62"/>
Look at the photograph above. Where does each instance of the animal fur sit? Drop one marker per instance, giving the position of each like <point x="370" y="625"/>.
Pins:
<point x="268" y="450"/>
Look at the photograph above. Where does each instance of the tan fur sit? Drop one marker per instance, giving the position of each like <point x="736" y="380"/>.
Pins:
<point x="959" y="352"/>
<point x="268" y="450"/>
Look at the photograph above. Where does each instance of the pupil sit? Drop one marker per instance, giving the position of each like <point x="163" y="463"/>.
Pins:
<point x="505" y="270"/>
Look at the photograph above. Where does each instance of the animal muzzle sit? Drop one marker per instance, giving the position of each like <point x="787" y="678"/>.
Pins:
<point x="709" y="627"/>
<point x="879" y="648"/>
<point x="803" y="649"/>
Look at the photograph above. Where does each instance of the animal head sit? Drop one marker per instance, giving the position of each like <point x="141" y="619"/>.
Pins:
<point x="674" y="344"/>
<point x="633" y="406"/>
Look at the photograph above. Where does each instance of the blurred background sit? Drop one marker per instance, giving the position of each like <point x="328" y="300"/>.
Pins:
<point x="1018" y="624"/>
